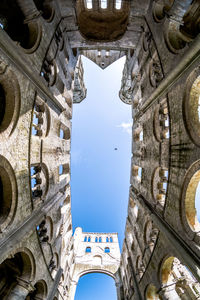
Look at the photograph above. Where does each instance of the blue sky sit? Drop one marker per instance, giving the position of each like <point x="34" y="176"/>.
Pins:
<point x="100" y="175"/>
<point x="96" y="286"/>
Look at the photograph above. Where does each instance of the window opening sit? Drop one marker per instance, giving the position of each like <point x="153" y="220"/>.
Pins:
<point x="107" y="239"/>
<point x="38" y="119"/>
<point x="89" y="4"/>
<point x="111" y="239"/>
<point x="60" y="169"/>
<point x="61" y="133"/>
<point x="141" y="135"/>
<point x="118" y="4"/>
<point x="89" y="239"/>
<point x="100" y="240"/>
<point x="85" y="239"/>
<point x="107" y="250"/>
<point x="36" y="181"/>
<point x="103" y="4"/>
<point x="140" y="172"/>
<point x="88" y="250"/>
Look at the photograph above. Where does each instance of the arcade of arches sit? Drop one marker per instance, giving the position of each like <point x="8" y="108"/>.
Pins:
<point x="41" y="78"/>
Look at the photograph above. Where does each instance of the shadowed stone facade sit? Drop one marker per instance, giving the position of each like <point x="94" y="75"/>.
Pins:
<point x="41" y="74"/>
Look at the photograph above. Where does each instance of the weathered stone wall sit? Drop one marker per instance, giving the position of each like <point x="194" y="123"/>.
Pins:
<point x="35" y="131"/>
<point x="162" y="228"/>
<point x="40" y="44"/>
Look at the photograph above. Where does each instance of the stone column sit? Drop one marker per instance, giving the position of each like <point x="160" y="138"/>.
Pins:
<point x="169" y="292"/>
<point x="117" y="284"/>
<point x="21" y="290"/>
<point x="28" y="8"/>
<point x="72" y="290"/>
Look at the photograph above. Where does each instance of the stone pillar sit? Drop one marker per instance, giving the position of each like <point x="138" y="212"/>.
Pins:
<point x="169" y="292"/>
<point x="21" y="290"/>
<point x="72" y="290"/>
<point x="28" y="8"/>
<point x="117" y="284"/>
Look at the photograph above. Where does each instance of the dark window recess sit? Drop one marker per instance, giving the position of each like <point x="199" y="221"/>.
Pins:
<point x="44" y="7"/>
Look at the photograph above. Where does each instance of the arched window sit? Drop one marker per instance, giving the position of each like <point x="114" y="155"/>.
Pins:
<point x="64" y="132"/>
<point x="89" y="239"/>
<point x="118" y="4"/>
<point x="107" y="240"/>
<point x="111" y="239"/>
<point x="60" y="169"/>
<point x="63" y="170"/>
<point x="89" y="4"/>
<point x="96" y="239"/>
<point x="88" y="250"/>
<point x="103" y="4"/>
<point x="61" y="133"/>
<point x="39" y="180"/>
<point x="107" y="250"/>
<point x="100" y="240"/>
<point x="85" y="239"/>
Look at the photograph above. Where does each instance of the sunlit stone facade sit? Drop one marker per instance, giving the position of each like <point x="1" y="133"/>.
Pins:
<point x="94" y="252"/>
<point x="41" y="74"/>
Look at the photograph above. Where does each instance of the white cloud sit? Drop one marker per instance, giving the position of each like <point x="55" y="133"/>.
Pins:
<point x="126" y="127"/>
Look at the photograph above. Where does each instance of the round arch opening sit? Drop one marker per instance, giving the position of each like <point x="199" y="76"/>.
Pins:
<point x="8" y="193"/>
<point x="191" y="107"/>
<point x="13" y="22"/>
<point x="102" y="24"/>
<point x="9" y="101"/>
<point x="192" y="202"/>
<point x="46" y="9"/>
<point x="21" y="267"/>
<point x="94" y="284"/>
<point x="151" y="293"/>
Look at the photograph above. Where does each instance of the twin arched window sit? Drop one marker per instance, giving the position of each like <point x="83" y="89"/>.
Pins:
<point x="98" y="239"/>
<point x="109" y="240"/>
<point x="87" y="239"/>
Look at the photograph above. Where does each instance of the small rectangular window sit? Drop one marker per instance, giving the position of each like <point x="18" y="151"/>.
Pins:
<point x="61" y="133"/>
<point x="141" y="136"/>
<point x="60" y="169"/>
<point x="140" y="172"/>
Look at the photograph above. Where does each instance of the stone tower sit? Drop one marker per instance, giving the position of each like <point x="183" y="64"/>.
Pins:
<point x="94" y="252"/>
<point x="41" y="75"/>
